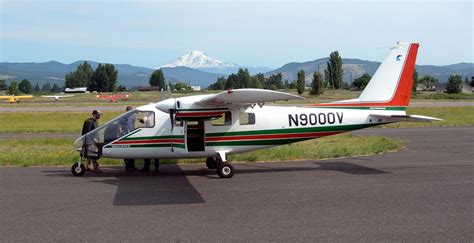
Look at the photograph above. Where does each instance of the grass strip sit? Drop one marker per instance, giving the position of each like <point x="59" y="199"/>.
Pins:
<point x="59" y="151"/>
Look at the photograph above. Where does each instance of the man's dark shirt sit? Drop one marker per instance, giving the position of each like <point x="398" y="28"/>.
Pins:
<point x="89" y="125"/>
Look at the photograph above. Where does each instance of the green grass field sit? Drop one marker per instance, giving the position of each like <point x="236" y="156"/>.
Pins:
<point x="71" y="122"/>
<point x="59" y="151"/>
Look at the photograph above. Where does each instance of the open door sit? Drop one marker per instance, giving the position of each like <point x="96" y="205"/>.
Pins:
<point x="195" y="135"/>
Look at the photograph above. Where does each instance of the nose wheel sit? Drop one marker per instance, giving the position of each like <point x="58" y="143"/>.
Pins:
<point x="78" y="169"/>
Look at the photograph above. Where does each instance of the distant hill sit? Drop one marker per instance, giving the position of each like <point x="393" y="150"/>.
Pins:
<point x="54" y="72"/>
<point x="353" y="68"/>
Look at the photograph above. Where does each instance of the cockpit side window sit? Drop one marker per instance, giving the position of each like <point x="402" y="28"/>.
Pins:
<point x="145" y="119"/>
<point x="118" y="127"/>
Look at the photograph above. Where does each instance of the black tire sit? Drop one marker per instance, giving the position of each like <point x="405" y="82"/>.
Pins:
<point x="78" y="170"/>
<point x="225" y="170"/>
<point x="211" y="163"/>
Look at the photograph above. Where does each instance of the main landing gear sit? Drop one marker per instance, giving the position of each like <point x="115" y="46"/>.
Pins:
<point x="224" y="169"/>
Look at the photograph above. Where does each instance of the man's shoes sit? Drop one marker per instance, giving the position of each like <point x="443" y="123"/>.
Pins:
<point x="88" y="169"/>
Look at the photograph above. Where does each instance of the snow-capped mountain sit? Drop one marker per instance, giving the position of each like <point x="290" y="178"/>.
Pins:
<point x="197" y="59"/>
<point x="200" y="61"/>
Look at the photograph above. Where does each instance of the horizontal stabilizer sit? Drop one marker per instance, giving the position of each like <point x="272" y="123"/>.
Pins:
<point x="406" y="118"/>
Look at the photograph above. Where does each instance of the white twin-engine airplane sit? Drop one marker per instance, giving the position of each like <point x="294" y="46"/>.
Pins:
<point x="57" y="97"/>
<point x="236" y="121"/>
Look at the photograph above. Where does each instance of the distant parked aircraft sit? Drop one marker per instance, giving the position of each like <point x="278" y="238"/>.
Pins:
<point x="114" y="97"/>
<point x="15" y="99"/>
<point x="57" y="97"/>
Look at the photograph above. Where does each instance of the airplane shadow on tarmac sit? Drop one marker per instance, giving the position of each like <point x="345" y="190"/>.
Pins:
<point x="171" y="186"/>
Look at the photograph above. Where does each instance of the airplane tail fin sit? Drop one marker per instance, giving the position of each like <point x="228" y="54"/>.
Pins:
<point x="391" y="84"/>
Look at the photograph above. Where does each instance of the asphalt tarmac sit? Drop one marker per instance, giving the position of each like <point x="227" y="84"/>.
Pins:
<point x="423" y="193"/>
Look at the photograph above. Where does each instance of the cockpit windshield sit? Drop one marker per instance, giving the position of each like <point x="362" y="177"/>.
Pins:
<point x="116" y="128"/>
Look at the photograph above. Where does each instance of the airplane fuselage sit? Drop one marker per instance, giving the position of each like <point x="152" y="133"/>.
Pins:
<point x="269" y="126"/>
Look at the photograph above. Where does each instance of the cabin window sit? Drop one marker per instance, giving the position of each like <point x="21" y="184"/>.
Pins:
<point x="145" y="119"/>
<point x="178" y="123"/>
<point x="246" y="118"/>
<point x="224" y="120"/>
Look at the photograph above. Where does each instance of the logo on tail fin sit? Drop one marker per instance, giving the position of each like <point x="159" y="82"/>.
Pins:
<point x="399" y="57"/>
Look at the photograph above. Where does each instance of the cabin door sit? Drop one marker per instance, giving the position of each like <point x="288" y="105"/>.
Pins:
<point x="194" y="136"/>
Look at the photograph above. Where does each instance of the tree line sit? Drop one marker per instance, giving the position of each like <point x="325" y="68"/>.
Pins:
<point x="25" y="87"/>
<point x="242" y="79"/>
<point x="102" y="79"/>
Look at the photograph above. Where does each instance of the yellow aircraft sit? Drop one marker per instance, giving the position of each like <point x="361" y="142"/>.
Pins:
<point x="15" y="99"/>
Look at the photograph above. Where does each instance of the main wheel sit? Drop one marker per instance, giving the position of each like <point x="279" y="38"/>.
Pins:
<point x="211" y="163"/>
<point x="78" y="170"/>
<point x="225" y="170"/>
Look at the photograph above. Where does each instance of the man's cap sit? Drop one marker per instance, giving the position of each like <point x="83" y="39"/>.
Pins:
<point x="128" y="108"/>
<point x="94" y="112"/>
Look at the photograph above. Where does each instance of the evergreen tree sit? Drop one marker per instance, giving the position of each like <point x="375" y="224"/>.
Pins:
<point x="274" y="82"/>
<point x="243" y="77"/>
<point x="13" y="88"/>
<point x="428" y="80"/>
<point x="259" y="80"/>
<point x="25" y="86"/>
<point x="99" y="79"/>
<point x="219" y="84"/>
<point x="334" y="70"/>
<point x="454" y="85"/>
<point x="46" y="88"/>
<point x="55" y="88"/>
<point x="300" y="83"/>
<point x="232" y="82"/>
<point x="112" y="74"/>
<point x="157" y="79"/>
<point x="37" y="88"/>
<point x="3" y="85"/>
<point x="82" y="77"/>
<point x="316" y="84"/>
<point x="361" y="81"/>
<point x="416" y="81"/>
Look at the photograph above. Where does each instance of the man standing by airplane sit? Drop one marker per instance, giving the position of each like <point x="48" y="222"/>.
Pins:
<point x="91" y="146"/>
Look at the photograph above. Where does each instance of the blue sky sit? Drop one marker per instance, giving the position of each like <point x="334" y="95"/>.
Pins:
<point x="266" y="33"/>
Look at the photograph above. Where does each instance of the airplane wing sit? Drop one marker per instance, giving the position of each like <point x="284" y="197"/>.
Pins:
<point x="24" y="97"/>
<point x="104" y="96"/>
<point x="221" y="101"/>
<point x="406" y="118"/>
<point x="54" y="96"/>
<point x="5" y="97"/>
<point x="246" y="96"/>
<point x="122" y="96"/>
